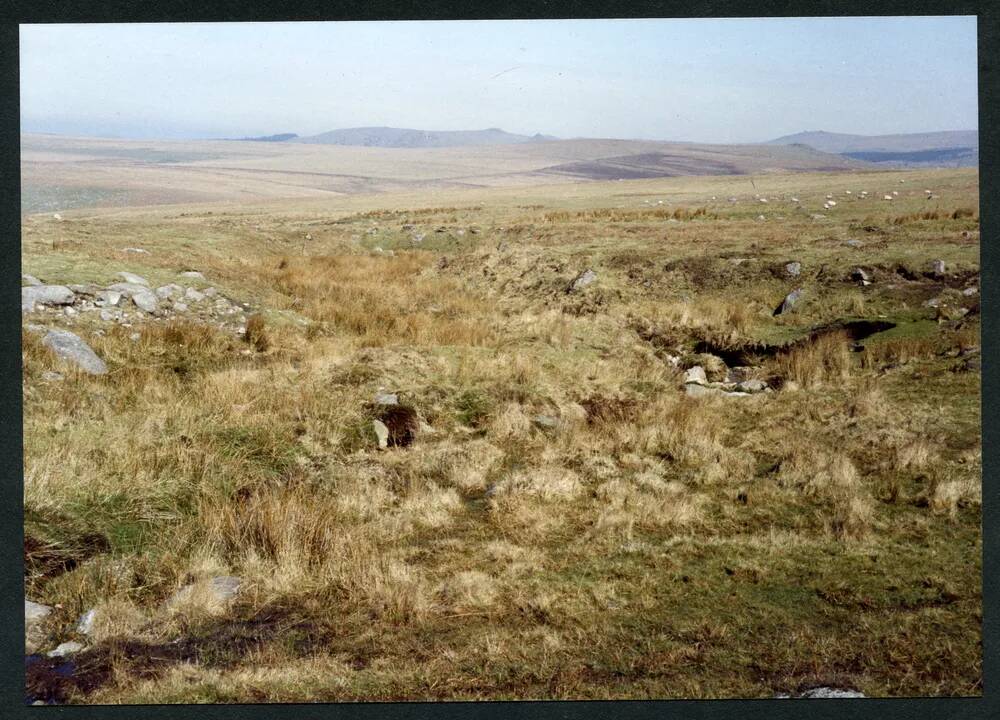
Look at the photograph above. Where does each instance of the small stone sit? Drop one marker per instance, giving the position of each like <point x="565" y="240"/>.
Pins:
<point x="107" y="315"/>
<point x="132" y="278"/>
<point x="136" y="250"/>
<point x="828" y="693"/>
<point x="145" y="301"/>
<point x="817" y="216"/>
<point x="85" y="624"/>
<point x="582" y="280"/>
<point x="180" y="307"/>
<point x="128" y="289"/>
<point x="69" y="310"/>
<point x="193" y="295"/>
<point x="134" y="337"/>
<point x="384" y="398"/>
<point x="970" y="291"/>
<point x="34" y="619"/>
<point x="938" y="267"/>
<point x="66" y="648"/>
<point x="381" y="433"/>
<point x="933" y="303"/>
<point x="210" y="292"/>
<point x="30" y="280"/>
<point x="51" y="376"/>
<point x="167" y="291"/>
<point x="695" y="375"/>
<point x="45" y="295"/>
<point x="192" y="274"/>
<point x="854" y="243"/>
<point x="70" y="347"/>
<point x="751" y="386"/>
<point x="545" y="422"/>
<point x="793" y="268"/>
<point x="789" y="302"/>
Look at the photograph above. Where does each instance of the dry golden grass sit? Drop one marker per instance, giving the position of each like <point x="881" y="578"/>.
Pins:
<point x="610" y="553"/>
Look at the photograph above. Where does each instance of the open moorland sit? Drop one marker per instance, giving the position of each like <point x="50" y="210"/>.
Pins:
<point x="693" y="437"/>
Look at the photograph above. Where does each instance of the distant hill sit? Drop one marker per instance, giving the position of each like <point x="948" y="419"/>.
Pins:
<point x="282" y="137"/>
<point x="950" y="148"/>
<point x="387" y="137"/>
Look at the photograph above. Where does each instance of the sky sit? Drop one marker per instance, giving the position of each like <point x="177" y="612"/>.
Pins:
<point x="699" y="80"/>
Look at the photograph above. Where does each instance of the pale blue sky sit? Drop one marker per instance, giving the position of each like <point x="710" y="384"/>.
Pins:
<point x="712" y="80"/>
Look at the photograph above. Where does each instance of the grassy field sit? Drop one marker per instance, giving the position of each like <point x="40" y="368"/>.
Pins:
<point x="554" y="517"/>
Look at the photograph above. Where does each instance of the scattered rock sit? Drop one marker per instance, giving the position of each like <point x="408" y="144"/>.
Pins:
<point x="545" y="422"/>
<point x="66" y="648"/>
<point x="70" y="347"/>
<point x="132" y="278"/>
<point x="34" y="618"/>
<point x="825" y="693"/>
<point x="45" y="295"/>
<point x="970" y="291"/>
<point x="30" y="280"/>
<point x="582" y="280"/>
<point x="793" y="268"/>
<point x="128" y="289"/>
<point x="789" y="302"/>
<point x="695" y="376"/>
<point x="51" y="376"/>
<point x="168" y="291"/>
<point x="135" y="337"/>
<point x="108" y="297"/>
<point x="180" y="307"/>
<point x="751" y="386"/>
<point x="859" y="275"/>
<point x="145" y="301"/>
<point x="214" y="594"/>
<point x="210" y="292"/>
<point x="192" y="274"/>
<point x="817" y="216"/>
<point x="136" y="250"/>
<point x="193" y="295"/>
<point x="384" y="398"/>
<point x="854" y="243"/>
<point x="381" y="433"/>
<point x="938" y="267"/>
<point x="933" y="303"/>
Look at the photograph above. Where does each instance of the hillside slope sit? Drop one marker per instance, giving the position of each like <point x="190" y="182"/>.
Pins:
<point x="389" y="137"/>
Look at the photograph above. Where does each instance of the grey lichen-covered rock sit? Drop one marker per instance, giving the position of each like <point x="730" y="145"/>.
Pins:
<point x="938" y="267"/>
<point x="824" y="693"/>
<point x="970" y="291"/>
<point x="192" y="295"/>
<point x="168" y="291"/>
<point x="34" y="619"/>
<point x="789" y="302"/>
<point x="128" y="289"/>
<point x="793" y="269"/>
<point x="545" y="422"/>
<point x="582" y="280"/>
<point x="85" y="624"/>
<point x="751" y="386"/>
<point x="381" y="433"/>
<point x="70" y="347"/>
<point x="386" y="398"/>
<point x="695" y="376"/>
<point x="145" y="301"/>
<point x="108" y="297"/>
<point x="212" y="594"/>
<point x="30" y="280"/>
<point x="51" y="376"/>
<point x="132" y="278"/>
<point x="45" y="295"/>
<point x="194" y="274"/>
<point x="66" y="648"/>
